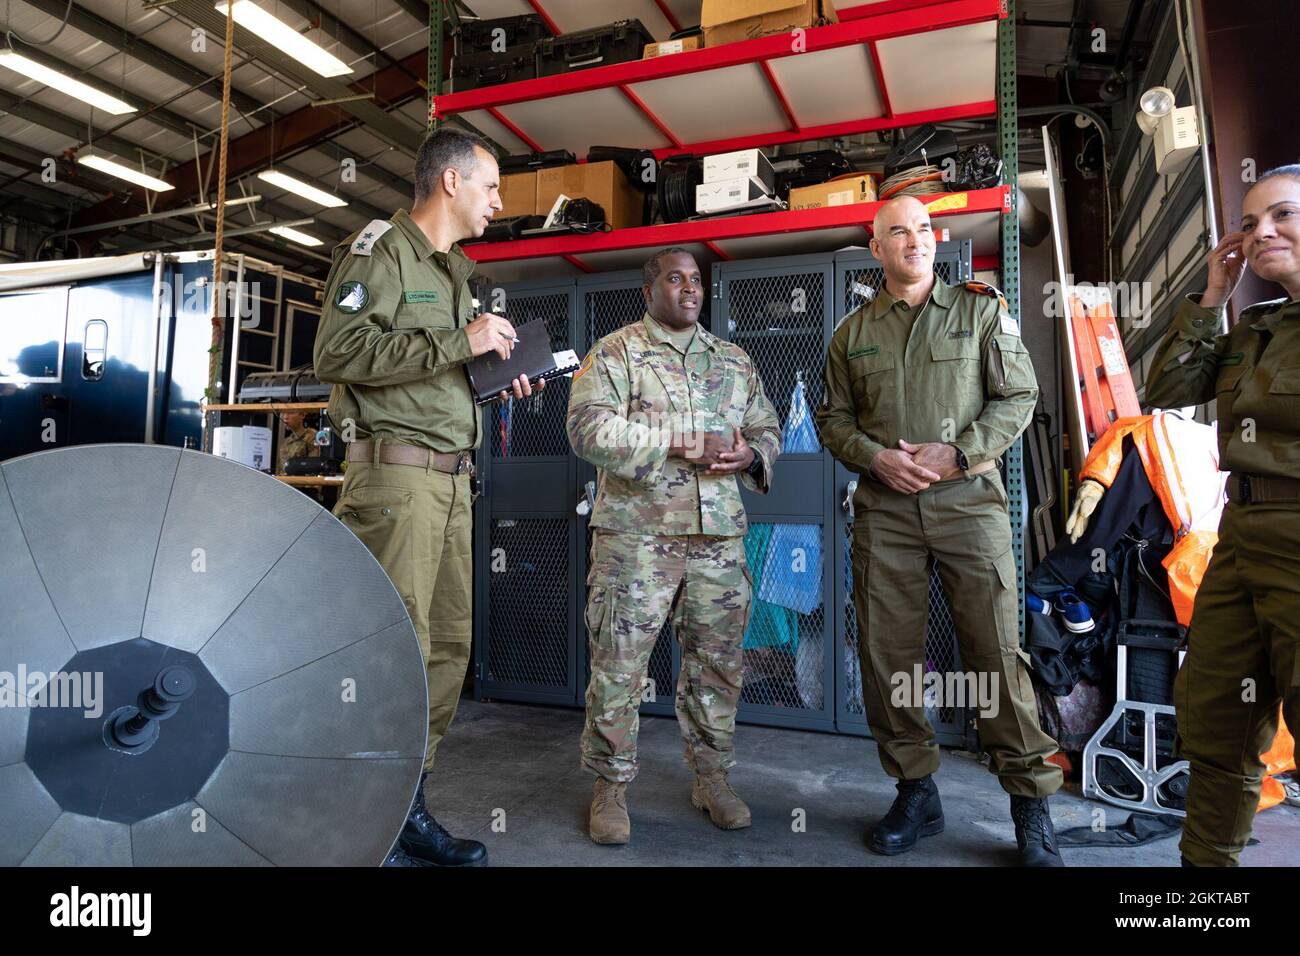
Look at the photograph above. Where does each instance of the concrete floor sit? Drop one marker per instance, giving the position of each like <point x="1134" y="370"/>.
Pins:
<point x="518" y="764"/>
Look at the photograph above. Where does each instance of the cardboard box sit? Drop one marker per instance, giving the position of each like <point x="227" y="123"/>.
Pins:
<point x="602" y="183"/>
<point x="742" y="162"/>
<point x="519" y="194"/>
<point x="728" y="21"/>
<point x="729" y="194"/>
<point x="248" y="444"/>
<point x="837" y="192"/>
<point x="665" y="47"/>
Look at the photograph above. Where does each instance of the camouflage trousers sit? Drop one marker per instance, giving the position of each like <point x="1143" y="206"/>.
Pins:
<point x="637" y="581"/>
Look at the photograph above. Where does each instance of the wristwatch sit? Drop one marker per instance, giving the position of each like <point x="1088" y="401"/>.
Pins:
<point x="755" y="469"/>
<point x="962" y="463"/>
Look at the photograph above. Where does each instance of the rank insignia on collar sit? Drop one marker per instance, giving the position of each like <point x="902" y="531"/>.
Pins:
<point x="352" y="297"/>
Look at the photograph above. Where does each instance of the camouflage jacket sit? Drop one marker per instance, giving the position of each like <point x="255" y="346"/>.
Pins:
<point x="632" y="390"/>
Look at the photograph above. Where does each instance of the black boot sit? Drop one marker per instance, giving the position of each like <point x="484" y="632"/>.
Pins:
<point x="1034" y="833"/>
<point x="398" y="857"/>
<point x="916" y="812"/>
<point x="424" y="838"/>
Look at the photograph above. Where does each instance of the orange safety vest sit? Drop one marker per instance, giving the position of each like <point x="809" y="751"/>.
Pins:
<point x="1187" y="480"/>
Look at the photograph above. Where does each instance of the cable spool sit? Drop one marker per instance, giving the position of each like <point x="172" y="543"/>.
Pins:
<point x="913" y="181"/>
<point x="676" y="187"/>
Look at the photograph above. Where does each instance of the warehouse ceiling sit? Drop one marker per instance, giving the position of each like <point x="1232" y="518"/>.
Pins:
<point x="165" y="60"/>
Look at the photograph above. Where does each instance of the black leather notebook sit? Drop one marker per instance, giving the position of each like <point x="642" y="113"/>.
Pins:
<point x="490" y="375"/>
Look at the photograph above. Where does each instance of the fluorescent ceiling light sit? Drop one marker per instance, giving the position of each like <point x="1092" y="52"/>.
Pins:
<point x="279" y="34"/>
<point x="298" y="187"/>
<point x="293" y="235"/>
<point x="63" y="83"/>
<point x="122" y="171"/>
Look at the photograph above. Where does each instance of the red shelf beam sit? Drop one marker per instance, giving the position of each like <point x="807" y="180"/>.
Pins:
<point x="835" y="130"/>
<point x="711" y="231"/>
<point x="907" y="22"/>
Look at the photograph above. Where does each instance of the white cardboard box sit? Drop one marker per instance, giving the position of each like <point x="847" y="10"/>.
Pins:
<point x="729" y="194"/>
<point x="247" y="444"/>
<point x="743" y="162"/>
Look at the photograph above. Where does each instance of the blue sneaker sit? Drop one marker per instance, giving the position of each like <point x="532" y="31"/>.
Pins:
<point x="1074" y="612"/>
<point x="1036" y="605"/>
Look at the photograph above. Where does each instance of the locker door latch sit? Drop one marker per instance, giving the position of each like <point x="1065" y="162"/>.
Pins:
<point x="847" y="504"/>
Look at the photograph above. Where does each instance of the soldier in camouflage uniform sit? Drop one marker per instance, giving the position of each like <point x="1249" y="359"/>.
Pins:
<point x="671" y="416"/>
<point x="298" y="440"/>
<point x="1243" y="645"/>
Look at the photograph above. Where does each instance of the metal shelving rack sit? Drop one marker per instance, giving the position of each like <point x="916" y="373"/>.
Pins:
<point x="510" y="115"/>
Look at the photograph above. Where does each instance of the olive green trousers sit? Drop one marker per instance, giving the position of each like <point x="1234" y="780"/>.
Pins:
<point x="1241" y="664"/>
<point x="418" y="524"/>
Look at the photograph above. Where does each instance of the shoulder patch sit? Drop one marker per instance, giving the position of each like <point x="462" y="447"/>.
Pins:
<point x="364" y="244"/>
<point x="352" y="297"/>
<point x="1259" y="307"/>
<point x="585" y="366"/>
<point x="983" y="288"/>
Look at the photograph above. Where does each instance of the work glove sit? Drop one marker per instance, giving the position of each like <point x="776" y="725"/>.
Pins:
<point x="1085" y="503"/>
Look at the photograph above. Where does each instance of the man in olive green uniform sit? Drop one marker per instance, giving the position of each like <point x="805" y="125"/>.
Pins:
<point x="670" y="415"/>
<point x="396" y="330"/>
<point x="925" y="387"/>
<point x="1242" y="656"/>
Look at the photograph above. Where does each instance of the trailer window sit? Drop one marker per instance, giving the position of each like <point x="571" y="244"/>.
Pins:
<point x="32" y="328"/>
<point x="94" y="350"/>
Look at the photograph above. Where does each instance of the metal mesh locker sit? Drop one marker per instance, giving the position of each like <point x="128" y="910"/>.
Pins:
<point x="779" y="311"/>
<point x="526" y="532"/>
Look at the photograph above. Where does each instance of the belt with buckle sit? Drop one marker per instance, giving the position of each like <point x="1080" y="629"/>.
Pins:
<point x="393" y="453"/>
<point x="1261" y="489"/>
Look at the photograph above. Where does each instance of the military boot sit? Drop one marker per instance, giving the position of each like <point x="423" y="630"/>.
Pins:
<point x="1034" y="833"/>
<point x="608" y="823"/>
<point x="712" y="794"/>
<point x="399" y="857"/>
<point x="424" y="838"/>
<point x="916" y="812"/>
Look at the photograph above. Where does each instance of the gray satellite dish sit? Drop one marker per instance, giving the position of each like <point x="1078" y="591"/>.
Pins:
<point x="262" y="698"/>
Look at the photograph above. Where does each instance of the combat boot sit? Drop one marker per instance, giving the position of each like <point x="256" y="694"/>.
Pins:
<point x="608" y="823"/>
<point x="399" y="857"/>
<point x="712" y="794"/>
<point x="1034" y="833"/>
<point x="424" y="838"/>
<point x="916" y="812"/>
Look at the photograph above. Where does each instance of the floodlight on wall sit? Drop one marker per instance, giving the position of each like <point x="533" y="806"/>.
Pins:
<point x="284" y="37"/>
<point x="56" y="80"/>
<point x="1174" y="128"/>
<point x="1152" y="105"/>
<point x="95" y="159"/>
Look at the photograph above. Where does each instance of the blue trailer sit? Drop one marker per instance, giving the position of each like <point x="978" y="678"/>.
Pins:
<point x="119" y="349"/>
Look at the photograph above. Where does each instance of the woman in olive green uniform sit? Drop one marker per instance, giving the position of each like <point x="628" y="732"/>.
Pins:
<point x="1242" y="659"/>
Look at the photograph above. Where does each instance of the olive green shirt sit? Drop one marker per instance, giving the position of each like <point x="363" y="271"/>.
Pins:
<point x="392" y="339"/>
<point x="1253" y="372"/>
<point x="633" y="388"/>
<point x="957" y="373"/>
